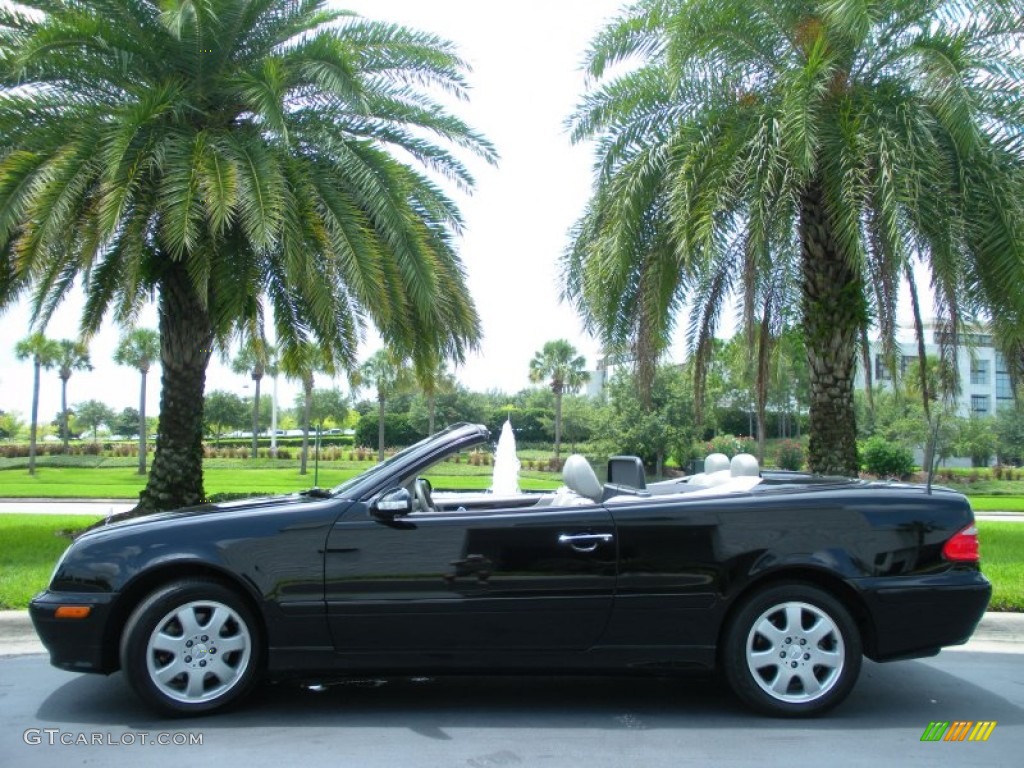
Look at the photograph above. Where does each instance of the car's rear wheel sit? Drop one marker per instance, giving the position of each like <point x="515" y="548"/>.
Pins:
<point x="792" y="650"/>
<point x="191" y="646"/>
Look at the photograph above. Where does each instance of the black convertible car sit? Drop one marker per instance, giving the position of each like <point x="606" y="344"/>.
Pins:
<point x="781" y="581"/>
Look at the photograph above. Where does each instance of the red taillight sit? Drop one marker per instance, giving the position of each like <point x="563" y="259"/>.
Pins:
<point x="963" y="547"/>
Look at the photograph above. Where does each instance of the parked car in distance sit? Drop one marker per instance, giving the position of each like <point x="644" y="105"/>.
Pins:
<point x="780" y="580"/>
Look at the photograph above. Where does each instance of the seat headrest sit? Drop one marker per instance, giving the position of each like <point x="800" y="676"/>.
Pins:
<point x="744" y="465"/>
<point x="578" y="476"/>
<point x="715" y="462"/>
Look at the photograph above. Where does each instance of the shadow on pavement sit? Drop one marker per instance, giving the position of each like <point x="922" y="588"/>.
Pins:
<point x="898" y="695"/>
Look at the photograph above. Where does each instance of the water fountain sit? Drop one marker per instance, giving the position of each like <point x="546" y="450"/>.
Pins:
<point x="505" y="480"/>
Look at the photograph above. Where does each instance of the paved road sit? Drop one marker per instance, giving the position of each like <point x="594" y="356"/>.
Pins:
<point x="513" y="722"/>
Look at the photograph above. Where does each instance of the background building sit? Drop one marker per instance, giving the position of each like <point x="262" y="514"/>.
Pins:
<point x="984" y="379"/>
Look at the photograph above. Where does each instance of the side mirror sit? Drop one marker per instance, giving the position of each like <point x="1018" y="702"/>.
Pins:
<point x="393" y="503"/>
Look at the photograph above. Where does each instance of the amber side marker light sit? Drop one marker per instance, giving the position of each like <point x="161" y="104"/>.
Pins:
<point x="72" y="612"/>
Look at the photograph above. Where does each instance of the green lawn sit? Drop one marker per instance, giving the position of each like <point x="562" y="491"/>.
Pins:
<point x="997" y="503"/>
<point x="31" y="546"/>
<point x="124" y="483"/>
<point x="1002" y="560"/>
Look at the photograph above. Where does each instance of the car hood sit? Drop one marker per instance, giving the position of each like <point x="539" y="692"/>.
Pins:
<point x="237" y="507"/>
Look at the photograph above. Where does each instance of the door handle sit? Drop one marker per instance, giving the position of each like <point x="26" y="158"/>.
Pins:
<point x="584" y="542"/>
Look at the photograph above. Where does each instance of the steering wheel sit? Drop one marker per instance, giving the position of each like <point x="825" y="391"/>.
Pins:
<point x="422" y="489"/>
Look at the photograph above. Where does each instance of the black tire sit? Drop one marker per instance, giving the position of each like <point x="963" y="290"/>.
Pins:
<point x="782" y="669"/>
<point x="192" y="646"/>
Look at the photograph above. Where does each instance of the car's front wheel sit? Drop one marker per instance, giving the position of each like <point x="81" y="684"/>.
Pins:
<point x="792" y="650"/>
<point x="191" y="646"/>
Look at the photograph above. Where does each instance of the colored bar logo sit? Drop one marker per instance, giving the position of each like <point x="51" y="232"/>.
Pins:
<point x="959" y="730"/>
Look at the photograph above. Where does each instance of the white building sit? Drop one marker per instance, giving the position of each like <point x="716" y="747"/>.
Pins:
<point x="984" y="379"/>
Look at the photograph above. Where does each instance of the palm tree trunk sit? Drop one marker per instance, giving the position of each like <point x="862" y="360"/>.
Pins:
<point x="380" y="425"/>
<point x="142" y="423"/>
<point x="186" y="339"/>
<point x="307" y="408"/>
<point x="865" y="357"/>
<point x="833" y="311"/>
<point x="761" y="383"/>
<point x="431" y="407"/>
<point x="558" y="424"/>
<point x="35" y="418"/>
<point x="64" y="411"/>
<point x="922" y="367"/>
<point x="256" y="415"/>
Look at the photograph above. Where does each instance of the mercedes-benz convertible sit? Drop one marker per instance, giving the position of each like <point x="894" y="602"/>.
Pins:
<point x="781" y="581"/>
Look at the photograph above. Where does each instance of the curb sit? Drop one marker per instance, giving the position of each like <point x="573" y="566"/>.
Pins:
<point x="996" y="632"/>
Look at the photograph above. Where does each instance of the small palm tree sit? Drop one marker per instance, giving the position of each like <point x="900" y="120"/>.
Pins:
<point x="139" y="349"/>
<point x="253" y="359"/>
<point x="559" y="363"/>
<point x="387" y="373"/>
<point x="43" y="353"/>
<point x="73" y="356"/>
<point x="301" y="362"/>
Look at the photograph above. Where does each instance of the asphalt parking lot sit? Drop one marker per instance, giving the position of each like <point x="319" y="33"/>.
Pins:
<point x="54" y="718"/>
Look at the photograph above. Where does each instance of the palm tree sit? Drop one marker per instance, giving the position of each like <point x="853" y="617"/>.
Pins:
<point x="253" y="358"/>
<point x="301" y="362"/>
<point x="433" y="380"/>
<point x="139" y="349"/>
<point x="387" y="373"/>
<point x="842" y="141"/>
<point x="232" y="158"/>
<point x="73" y="356"/>
<point x="558" y="362"/>
<point x="44" y="353"/>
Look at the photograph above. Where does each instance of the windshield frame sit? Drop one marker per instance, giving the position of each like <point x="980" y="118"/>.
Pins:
<point x="409" y="461"/>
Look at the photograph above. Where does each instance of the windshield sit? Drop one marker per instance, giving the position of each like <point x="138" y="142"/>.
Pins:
<point x="384" y="466"/>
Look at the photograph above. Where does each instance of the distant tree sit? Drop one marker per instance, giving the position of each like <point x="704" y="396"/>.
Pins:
<point x="397" y="429"/>
<point x="328" y="405"/>
<point x="252" y="359"/>
<point x="126" y="423"/>
<point x="386" y="373"/>
<point x="73" y="356"/>
<point x="58" y="423"/>
<point x="1010" y="434"/>
<point x="665" y="428"/>
<point x="223" y="411"/>
<point x="139" y="349"/>
<point x="559" y="364"/>
<point x="10" y="425"/>
<point x="93" y="414"/>
<point x="44" y="353"/>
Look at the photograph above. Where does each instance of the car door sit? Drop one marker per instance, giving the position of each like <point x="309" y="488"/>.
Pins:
<point x="505" y="578"/>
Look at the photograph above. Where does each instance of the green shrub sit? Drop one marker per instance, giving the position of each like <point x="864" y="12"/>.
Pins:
<point x="789" y="455"/>
<point x="730" y="445"/>
<point x="887" y="459"/>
